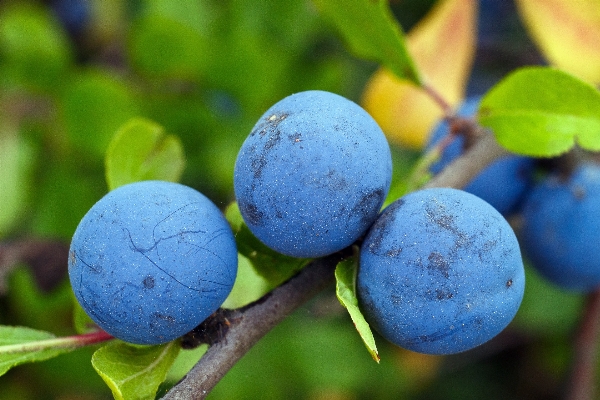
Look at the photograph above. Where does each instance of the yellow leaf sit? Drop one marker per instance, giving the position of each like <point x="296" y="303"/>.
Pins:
<point x="403" y="111"/>
<point x="443" y="47"/>
<point x="567" y="32"/>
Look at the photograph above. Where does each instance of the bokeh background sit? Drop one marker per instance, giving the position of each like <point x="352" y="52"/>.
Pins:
<point x="73" y="71"/>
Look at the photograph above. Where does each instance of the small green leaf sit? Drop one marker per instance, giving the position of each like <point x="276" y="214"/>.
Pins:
<point x="134" y="372"/>
<point x="345" y="274"/>
<point x="20" y="345"/>
<point x="140" y="150"/>
<point x="9" y="354"/>
<point x="272" y="266"/>
<point x="249" y="286"/>
<point x="543" y="112"/>
<point x="371" y="31"/>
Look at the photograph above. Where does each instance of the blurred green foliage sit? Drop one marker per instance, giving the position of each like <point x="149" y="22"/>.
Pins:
<point x="205" y="71"/>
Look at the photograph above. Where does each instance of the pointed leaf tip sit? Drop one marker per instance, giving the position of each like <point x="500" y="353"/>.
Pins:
<point x="344" y="276"/>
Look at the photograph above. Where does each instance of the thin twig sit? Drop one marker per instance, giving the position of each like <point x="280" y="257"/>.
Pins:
<point x="439" y="99"/>
<point x="462" y="170"/>
<point x="251" y="324"/>
<point x="582" y="384"/>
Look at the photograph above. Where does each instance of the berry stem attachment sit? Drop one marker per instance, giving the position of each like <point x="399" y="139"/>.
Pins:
<point x="439" y="100"/>
<point x="462" y="170"/>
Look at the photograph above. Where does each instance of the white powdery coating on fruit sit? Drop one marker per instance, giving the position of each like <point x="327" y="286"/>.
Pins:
<point x="312" y="175"/>
<point x="151" y="260"/>
<point x="440" y="272"/>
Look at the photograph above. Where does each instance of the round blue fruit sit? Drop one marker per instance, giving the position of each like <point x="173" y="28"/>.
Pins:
<point x="312" y="175"/>
<point x="503" y="183"/>
<point x="440" y="272"/>
<point x="151" y="260"/>
<point x="561" y="226"/>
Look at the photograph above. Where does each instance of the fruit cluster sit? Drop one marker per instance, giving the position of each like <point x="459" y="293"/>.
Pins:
<point x="440" y="270"/>
<point x="559" y="212"/>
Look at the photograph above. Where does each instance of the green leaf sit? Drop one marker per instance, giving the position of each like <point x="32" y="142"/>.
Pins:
<point x="20" y="345"/>
<point x="141" y="150"/>
<point x="345" y="274"/>
<point x="9" y="354"/>
<point x="134" y="372"/>
<point x="35" y="49"/>
<point x="166" y="46"/>
<point x="543" y="112"/>
<point x="56" y="184"/>
<point x="16" y="161"/>
<point x="94" y="104"/>
<point x="249" y="286"/>
<point x="275" y="268"/>
<point x="37" y="308"/>
<point x="371" y="31"/>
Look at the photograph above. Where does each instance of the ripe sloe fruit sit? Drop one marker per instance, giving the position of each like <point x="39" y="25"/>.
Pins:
<point x="561" y="227"/>
<point x="440" y="272"/>
<point x="151" y="260"/>
<point x="312" y="175"/>
<point x="503" y="183"/>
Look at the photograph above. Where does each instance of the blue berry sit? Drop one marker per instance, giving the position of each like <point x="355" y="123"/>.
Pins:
<point x="151" y="260"/>
<point x="440" y="272"/>
<point x="312" y="175"/>
<point x="561" y="224"/>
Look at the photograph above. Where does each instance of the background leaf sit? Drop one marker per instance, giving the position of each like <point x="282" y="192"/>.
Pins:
<point x="443" y="47"/>
<point x="345" y="275"/>
<point x="35" y="50"/>
<point x="16" y="162"/>
<point x="546" y="309"/>
<point x="95" y="103"/>
<point x="169" y="40"/>
<point x="567" y="32"/>
<point x="540" y="111"/>
<point x="134" y="372"/>
<point x="140" y="150"/>
<point x="371" y="31"/>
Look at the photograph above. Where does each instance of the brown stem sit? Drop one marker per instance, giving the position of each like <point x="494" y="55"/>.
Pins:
<point x="462" y="170"/>
<point x="582" y="382"/>
<point x="251" y="324"/>
<point x="439" y="99"/>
